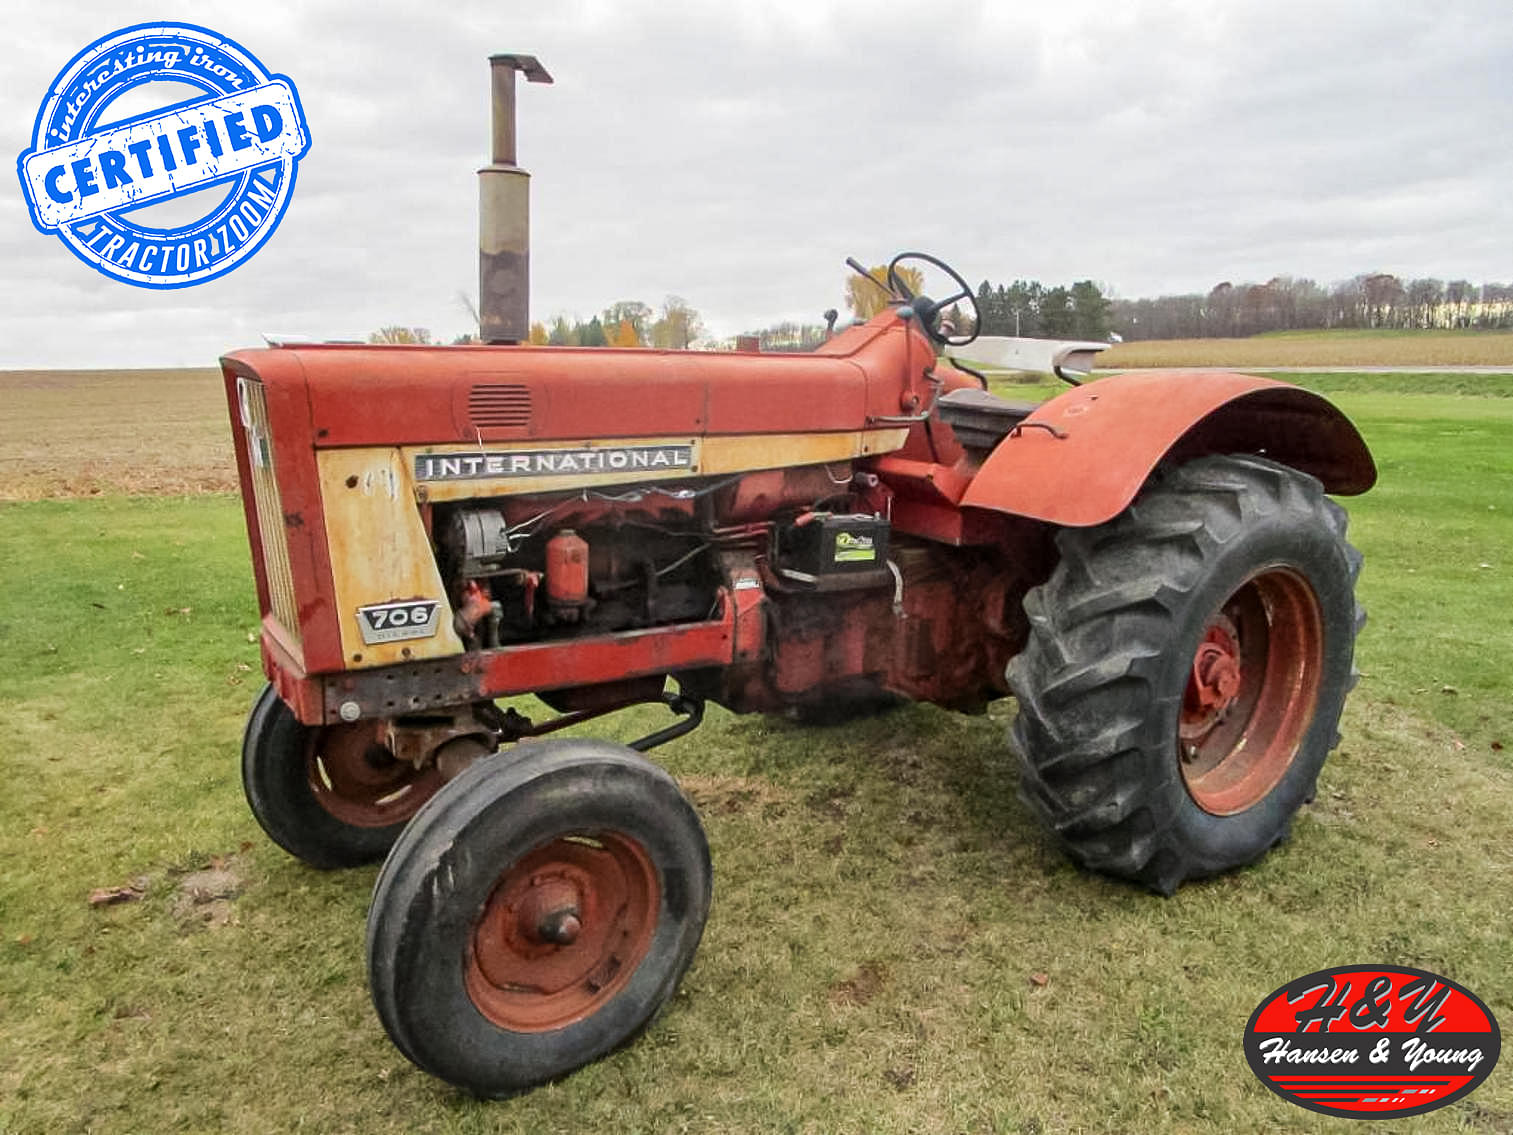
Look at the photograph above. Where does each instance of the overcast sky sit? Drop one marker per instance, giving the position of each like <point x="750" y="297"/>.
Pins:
<point x="735" y="153"/>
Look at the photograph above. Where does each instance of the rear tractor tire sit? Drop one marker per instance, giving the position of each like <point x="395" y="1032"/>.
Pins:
<point x="1185" y="671"/>
<point x="536" y="914"/>
<point x="333" y="796"/>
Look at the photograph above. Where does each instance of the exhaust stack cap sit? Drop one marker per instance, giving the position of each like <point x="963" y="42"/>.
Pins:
<point x="504" y="235"/>
<point x="502" y="70"/>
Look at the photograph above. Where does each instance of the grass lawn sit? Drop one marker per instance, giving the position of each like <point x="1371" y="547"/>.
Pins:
<point x="894" y="946"/>
<point x="1402" y="382"/>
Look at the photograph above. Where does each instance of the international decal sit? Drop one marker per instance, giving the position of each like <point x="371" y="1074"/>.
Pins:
<point x="480" y="464"/>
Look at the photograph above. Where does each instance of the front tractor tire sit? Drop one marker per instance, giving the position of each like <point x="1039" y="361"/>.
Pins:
<point x="536" y="914"/>
<point x="332" y="796"/>
<point x="1185" y="671"/>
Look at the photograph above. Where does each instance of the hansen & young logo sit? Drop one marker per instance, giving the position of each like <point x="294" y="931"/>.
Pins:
<point x="1372" y="1041"/>
<point x="99" y="162"/>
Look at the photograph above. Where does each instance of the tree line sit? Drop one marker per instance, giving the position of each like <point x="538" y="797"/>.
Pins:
<point x="1285" y="303"/>
<point x="1030" y="309"/>
<point x="1082" y="310"/>
<point x="1023" y="308"/>
<point x="625" y="323"/>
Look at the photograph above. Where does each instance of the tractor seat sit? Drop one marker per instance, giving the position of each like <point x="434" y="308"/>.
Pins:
<point x="981" y="420"/>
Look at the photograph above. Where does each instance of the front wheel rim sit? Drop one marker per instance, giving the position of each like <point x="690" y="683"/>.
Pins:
<point x="563" y="931"/>
<point x="1252" y="686"/>
<point x="355" y="777"/>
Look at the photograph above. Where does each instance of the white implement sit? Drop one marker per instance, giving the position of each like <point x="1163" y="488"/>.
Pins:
<point x="1065" y="358"/>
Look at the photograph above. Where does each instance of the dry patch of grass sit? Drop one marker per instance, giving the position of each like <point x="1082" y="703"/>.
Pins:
<point x="727" y="795"/>
<point x="1325" y="348"/>
<point x="82" y="433"/>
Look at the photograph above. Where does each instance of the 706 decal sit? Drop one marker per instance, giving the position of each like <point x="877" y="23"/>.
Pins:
<point x="398" y="620"/>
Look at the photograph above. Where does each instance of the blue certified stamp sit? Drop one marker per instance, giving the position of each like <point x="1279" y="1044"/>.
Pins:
<point x="93" y="175"/>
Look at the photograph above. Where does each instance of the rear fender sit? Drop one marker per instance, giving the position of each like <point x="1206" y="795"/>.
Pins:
<point x="1080" y="458"/>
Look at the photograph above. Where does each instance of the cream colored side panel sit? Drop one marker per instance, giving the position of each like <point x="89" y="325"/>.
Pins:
<point x="748" y="452"/>
<point x="379" y="551"/>
<point x="710" y="456"/>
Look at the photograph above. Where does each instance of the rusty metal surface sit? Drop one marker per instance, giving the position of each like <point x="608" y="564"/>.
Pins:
<point x="267" y="503"/>
<point x="945" y="635"/>
<point x="414" y="687"/>
<point x="420" y="687"/>
<point x="392" y="394"/>
<point x="562" y="932"/>
<point x="1251" y="692"/>
<point x="504" y="224"/>
<point x="383" y="395"/>
<point x="318" y="641"/>
<point x="416" y="742"/>
<point x="355" y="776"/>
<point x="502" y="69"/>
<point x="504" y="254"/>
<point x="756" y="496"/>
<point x="1112" y="433"/>
<point x="567" y="570"/>
<point x="591" y="659"/>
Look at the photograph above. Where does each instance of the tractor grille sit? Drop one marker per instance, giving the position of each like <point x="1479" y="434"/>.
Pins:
<point x="499" y="406"/>
<point x="270" y="509"/>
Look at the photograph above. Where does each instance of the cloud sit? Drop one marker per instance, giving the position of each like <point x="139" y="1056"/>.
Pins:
<point x="735" y="154"/>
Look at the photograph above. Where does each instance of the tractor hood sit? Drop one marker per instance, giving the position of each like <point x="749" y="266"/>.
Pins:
<point x="404" y="395"/>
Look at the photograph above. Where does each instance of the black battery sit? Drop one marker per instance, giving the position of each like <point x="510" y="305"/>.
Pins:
<point x="828" y="550"/>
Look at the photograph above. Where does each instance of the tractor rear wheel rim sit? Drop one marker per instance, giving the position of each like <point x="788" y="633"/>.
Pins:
<point x="563" y="931"/>
<point x="355" y="777"/>
<point x="1251" y="690"/>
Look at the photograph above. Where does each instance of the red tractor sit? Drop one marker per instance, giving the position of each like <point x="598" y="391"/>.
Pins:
<point x="1148" y="564"/>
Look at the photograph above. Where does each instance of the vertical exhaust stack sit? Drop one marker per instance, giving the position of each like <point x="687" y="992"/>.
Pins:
<point x="504" y="214"/>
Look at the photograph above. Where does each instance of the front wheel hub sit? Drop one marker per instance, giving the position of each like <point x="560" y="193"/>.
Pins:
<point x="550" y="911"/>
<point x="355" y="777"/>
<point x="562" y="932"/>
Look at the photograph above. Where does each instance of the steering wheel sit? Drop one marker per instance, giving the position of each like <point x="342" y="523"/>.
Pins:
<point x="929" y="311"/>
